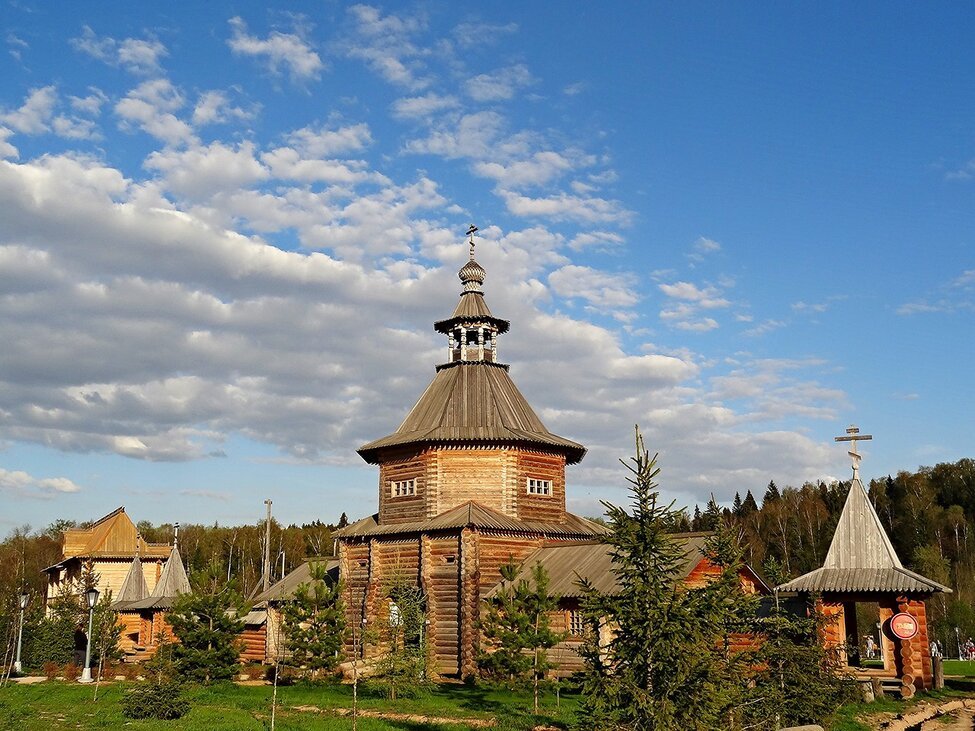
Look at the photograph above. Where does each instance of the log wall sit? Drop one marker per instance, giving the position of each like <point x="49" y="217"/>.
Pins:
<point x="542" y="466"/>
<point x="254" y="644"/>
<point x="406" y="508"/>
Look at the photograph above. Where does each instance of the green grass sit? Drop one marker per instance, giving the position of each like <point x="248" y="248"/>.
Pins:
<point x="963" y="668"/>
<point x="55" y="705"/>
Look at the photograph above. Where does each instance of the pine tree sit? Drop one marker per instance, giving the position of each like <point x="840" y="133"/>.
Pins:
<point x="343" y="521"/>
<point x="736" y="505"/>
<point x="314" y="623"/>
<point x="401" y="637"/>
<point x="208" y="627"/>
<point x="516" y="631"/>
<point x="771" y="494"/>
<point x="652" y="659"/>
<point x="748" y="505"/>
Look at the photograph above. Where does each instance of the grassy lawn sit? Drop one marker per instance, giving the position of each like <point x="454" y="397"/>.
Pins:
<point x="964" y="668"/>
<point x="55" y="704"/>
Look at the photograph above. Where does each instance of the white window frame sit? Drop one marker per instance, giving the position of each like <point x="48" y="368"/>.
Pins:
<point x="536" y="486"/>
<point x="402" y="488"/>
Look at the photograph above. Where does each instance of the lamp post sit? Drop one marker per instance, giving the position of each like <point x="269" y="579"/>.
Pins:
<point x="24" y="598"/>
<point x="91" y="597"/>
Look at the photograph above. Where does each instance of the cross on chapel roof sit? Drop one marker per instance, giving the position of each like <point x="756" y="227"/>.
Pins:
<point x="853" y="435"/>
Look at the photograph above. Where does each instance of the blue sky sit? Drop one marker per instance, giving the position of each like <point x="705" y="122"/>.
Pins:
<point x="227" y="229"/>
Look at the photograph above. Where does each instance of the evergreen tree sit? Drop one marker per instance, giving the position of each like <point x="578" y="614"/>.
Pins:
<point x="736" y="505"/>
<point x="516" y="631"/>
<point x="208" y="627"/>
<point x="771" y="494"/>
<point x="748" y="505"/>
<point x="652" y="656"/>
<point x="343" y="520"/>
<point x="314" y="623"/>
<point x="401" y="636"/>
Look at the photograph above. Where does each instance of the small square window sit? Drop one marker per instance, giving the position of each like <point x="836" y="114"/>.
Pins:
<point x="402" y="488"/>
<point x="577" y="623"/>
<point x="539" y="487"/>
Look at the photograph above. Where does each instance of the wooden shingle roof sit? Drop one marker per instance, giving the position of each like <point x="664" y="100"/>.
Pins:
<point x="286" y="587"/>
<point x="172" y="583"/>
<point x="567" y="565"/>
<point x="473" y="402"/>
<point x="472" y="307"/>
<point x="861" y="557"/>
<point x="473" y="514"/>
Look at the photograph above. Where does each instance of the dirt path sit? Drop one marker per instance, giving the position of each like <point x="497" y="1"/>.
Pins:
<point x="963" y="721"/>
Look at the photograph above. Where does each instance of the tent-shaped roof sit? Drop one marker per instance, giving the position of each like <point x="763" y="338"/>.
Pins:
<point x="474" y="515"/>
<point x="861" y="557"/>
<point x="134" y="587"/>
<point x="172" y="582"/>
<point x="473" y="402"/>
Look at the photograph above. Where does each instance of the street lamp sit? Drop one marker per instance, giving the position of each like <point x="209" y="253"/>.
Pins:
<point x="91" y="597"/>
<point x="24" y="598"/>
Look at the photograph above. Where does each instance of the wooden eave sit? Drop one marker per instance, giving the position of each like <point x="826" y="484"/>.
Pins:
<point x="472" y="514"/>
<point x="471" y="308"/>
<point x="473" y="402"/>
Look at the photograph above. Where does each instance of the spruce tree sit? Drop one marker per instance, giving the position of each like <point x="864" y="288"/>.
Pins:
<point x="748" y="505"/>
<point x="208" y="627"/>
<point x="516" y="631"/>
<point x="771" y="494"/>
<point x="736" y="505"/>
<point x="652" y="656"/>
<point x="314" y="623"/>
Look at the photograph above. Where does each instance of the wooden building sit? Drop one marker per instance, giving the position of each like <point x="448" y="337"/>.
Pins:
<point x="566" y="565"/>
<point x="863" y="575"/>
<point x="108" y="547"/>
<point x="470" y="479"/>
<point x="142" y="613"/>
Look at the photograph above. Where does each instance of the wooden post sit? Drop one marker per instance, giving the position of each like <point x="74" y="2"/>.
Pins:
<point x="267" y="547"/>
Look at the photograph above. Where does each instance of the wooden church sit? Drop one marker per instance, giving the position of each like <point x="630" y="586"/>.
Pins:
<point x="471" y="479"/>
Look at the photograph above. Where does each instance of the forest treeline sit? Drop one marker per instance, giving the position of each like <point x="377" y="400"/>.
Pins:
<point x="929" y="515"/>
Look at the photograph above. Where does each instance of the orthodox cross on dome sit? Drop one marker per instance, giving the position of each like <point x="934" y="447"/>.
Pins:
<point x="853" y="435"/>
<point x="470" y="232"/>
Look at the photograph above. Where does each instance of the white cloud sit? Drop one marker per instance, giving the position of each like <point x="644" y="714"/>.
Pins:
<point x="501" y="85"/>
<point x="200" y="172"/>
<point x="480" y="34"/>
<point x="138" y="56"/>
<point x="565" y="207"/>
<point x="541" y="168"/>
<point x="34" y="116"/>
<point x="596" y="240"/>
<point x="151" y="106"/>
<point x="280" y="50"/>
<point x="708" y="298"/>
<point x="470" y="136"/>
<point x="602" y="290"/>
<point x="22" y="484"/>
<point x="766" y="326"/>
<point x="323" y="142"/>
<point x="420" y="107"/>
<point x="6" y="149"/>
<point x="90" y="105"/>
<point x="383" y="43"/>
<point x="215" y="107"/>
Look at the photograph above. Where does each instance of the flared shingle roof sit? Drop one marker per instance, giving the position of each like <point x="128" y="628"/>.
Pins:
<point x="861" y="557"/>
<point x="134" y="587"/>
<point x="172" y="582"/>
<point x="473" y="402"/>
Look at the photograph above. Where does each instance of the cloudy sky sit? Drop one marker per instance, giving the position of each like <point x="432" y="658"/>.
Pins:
<point x="226" y="230"/>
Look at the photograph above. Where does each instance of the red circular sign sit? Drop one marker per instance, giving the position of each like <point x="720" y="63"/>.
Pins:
<point x="904" y="626"/>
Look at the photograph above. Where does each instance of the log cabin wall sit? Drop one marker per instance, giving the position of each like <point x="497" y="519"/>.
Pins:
<point x="402" y="466"/>
<point x="254" y="644"/>
<point x="472" y="474"/>
<point x="540" y="466"/>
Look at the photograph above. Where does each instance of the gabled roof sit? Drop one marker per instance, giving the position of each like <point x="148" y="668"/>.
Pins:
<point x="473" y="402"/>
<point x="134" y="587"/>
<point x="172" y="582"/>
<point x="112" y="536"/>
<point x="861" y="557"/>
<point x="285" y="588"/>
<point x="474" y="515"/>
<point x="566" y="565"/>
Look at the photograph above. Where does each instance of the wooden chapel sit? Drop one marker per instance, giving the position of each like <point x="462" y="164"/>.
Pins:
<point x="862" y="570"/>
<point x="471" y="479"/>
